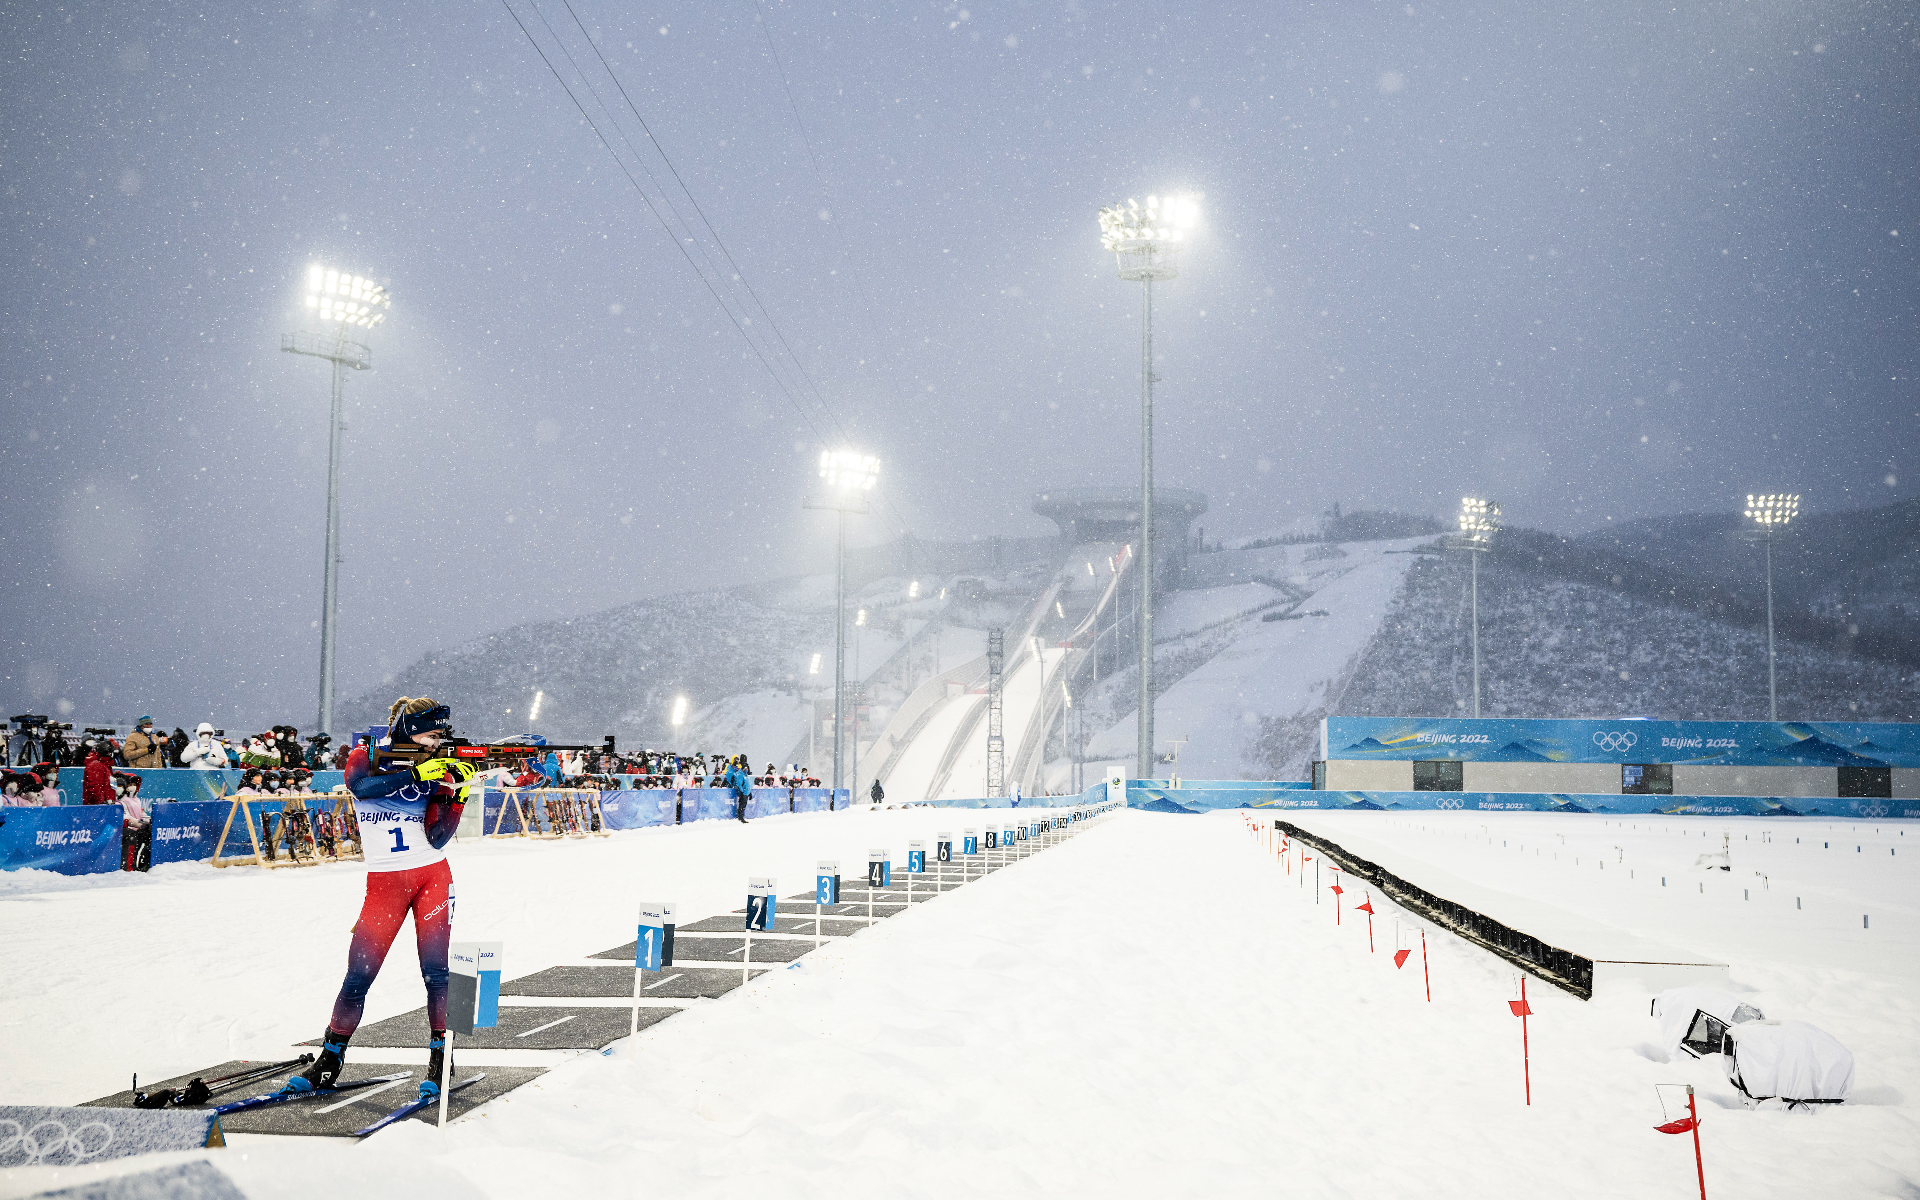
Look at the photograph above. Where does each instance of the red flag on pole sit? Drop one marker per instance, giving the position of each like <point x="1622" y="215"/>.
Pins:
<point x="1400" y="957"/>
<point x="1365" y="907"/>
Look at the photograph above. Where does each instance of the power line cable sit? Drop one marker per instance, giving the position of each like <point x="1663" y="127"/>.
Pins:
<point x="819" y="178"/>
<point x="672" y="236"/>
<point x="738" y="274"/>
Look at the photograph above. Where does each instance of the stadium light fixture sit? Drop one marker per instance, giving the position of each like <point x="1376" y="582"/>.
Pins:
<point x="679" y="711"/>
<point x="349" y="299"/>
<point x="340" y="302"/>
<point x="848" y="475"/>
<point x="1146" y="241"/>
<point x="849" y="470"/>
<point x="813" y="668"/>
<point x="1479" y="521"/>
<point x="860" y="618"/>
<point x="913" y="589"/>
<point x="533" y="714"/>
<point x="1771" y="512"/>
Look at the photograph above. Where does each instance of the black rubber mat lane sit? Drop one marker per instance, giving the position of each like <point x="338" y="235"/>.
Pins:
<point x="673" y="983"/>
<point x="531" y="1028"/>
<point x="837" y="928"/>
<point x="340" y="1115"/>
<point x="719" y="949"/>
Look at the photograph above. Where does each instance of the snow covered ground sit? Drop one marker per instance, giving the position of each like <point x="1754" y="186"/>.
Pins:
<point x="1152" y="1009"/>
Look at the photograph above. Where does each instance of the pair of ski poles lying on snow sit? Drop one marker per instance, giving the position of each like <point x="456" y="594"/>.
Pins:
<point x="199" y="1091"/>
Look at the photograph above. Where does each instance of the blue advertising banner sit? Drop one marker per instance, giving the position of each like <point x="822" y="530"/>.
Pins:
<point x="706" y="804"/>
<point x="73" y="839"/>
<point x="638" y="808"/>
<point x="188" y="832"/>
<point x="766" y="801"/>
<point x="1607" y="804"/>
<point x="806" y="800"/>
<point x="1694" y="743"/>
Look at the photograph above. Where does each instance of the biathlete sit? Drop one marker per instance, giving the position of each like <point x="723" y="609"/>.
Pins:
<point x="405" y="817"/>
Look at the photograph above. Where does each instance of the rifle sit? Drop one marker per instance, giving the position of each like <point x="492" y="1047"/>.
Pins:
<point x="480" y="754"/>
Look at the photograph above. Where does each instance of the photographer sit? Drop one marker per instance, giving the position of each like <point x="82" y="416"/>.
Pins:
<point x="175" y="744"/>
<point x="143" y="747"/>
<point x="318" y="756"/>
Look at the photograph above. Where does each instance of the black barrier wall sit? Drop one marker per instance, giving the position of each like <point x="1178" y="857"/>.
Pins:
<point x="1562" y="968"/>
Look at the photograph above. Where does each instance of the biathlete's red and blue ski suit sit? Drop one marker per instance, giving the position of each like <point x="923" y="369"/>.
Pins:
<point x="405" y="817"/>
<point x="406" y="872"/>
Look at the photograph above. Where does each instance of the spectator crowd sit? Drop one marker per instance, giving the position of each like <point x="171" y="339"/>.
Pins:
<point x="275" y="763"/>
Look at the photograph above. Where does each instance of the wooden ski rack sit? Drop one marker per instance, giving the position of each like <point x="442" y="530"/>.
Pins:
<point x="567" y="812"/>
<point x="292" y="828"/>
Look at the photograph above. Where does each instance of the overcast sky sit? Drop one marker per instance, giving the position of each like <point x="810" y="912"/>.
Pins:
<point x="1600" y="260"/>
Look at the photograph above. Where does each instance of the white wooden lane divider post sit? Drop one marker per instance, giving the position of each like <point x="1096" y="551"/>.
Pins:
<point x="916" y="865"/>
<point x="826" y="890"/>
<point x="649" y="951"/>
<point x="473" y="1000"/>
<point x="990" y="839"/>
<point x="760" y="905"/>
<point x="879" y="875"/>
<point x="943" y="854"/>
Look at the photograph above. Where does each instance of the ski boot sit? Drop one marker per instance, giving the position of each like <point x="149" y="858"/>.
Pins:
<point x="436" y="1058"/>
<point x="325" y="1071"/>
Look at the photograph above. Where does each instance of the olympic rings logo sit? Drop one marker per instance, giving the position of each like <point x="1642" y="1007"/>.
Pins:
<point x="1452" y="802"/>
<point x="1617" y="742"/>
<point x="1873" y="811"/>
<point x="22" y="1146"/>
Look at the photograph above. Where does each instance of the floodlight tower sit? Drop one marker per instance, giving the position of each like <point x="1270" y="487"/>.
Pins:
<point x="1479" y="521"/>
<point x="1770" y="513"/>
<point x="847" y="476"/>
<point x="1146" y="244"/>
<point x="342" y="303"/>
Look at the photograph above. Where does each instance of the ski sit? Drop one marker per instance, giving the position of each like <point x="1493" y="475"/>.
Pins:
<point x="283" y="1097"/>
<point x="414" y="1106"/>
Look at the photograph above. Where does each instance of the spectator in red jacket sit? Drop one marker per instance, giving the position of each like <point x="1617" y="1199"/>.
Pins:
<point x="96" y="782"/>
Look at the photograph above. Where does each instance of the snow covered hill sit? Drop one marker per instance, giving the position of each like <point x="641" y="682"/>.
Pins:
<point x="1659" y="618"/>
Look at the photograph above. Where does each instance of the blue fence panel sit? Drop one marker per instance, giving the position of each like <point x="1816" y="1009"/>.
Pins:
<point x="842" y="798"/>
<point x="807" y="800"/>
<point x="706" y="804"/>
<point x="766" y="801"/>
<point x="1198" y="797"/>
<point x="639" y="808"/>
<point x="189" y="832"/>
<point x="73" y="840"/>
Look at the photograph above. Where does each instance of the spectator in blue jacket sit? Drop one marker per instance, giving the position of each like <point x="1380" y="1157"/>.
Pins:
<point x="741" y="783"/>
